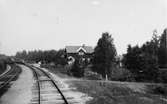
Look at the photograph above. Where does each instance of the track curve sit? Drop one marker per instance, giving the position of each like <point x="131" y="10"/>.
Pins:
<point x="46" y="86"/>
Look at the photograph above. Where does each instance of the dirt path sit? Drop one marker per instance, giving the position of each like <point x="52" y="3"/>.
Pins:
<point x="20" y="91"/>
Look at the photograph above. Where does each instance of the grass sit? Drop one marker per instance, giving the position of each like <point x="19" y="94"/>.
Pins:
<point x="158" y="89"/>
<point x="115" y="92"/>
<point x="111" y="93"/>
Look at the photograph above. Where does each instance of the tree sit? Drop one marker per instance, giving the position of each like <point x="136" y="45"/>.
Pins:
<point x="60" y="57"/>
<point x="22" y="55"/>
<point x="143" y="61"/>
<point x="48" y="56"/>
<point x="104" y="55"/>
<point x="163" y="50"/>
<point x="77" y="70"/>
<point x="152" y="46"/>
<point x="132" y="59"/>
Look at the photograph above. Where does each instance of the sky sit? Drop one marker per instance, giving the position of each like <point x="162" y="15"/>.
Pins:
<point x="53" y="24"/>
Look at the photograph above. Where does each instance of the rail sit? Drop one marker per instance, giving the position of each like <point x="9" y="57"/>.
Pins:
<point x="34" y="69"/>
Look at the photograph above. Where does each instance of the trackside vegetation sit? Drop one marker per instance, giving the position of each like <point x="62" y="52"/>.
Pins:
<point x="4" y="60"/>
<point x="140" y="63"/>
<point x="135" y="78"/>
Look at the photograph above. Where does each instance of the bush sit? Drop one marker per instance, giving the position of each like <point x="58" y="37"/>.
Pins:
<point x="4" y="60"/>
<point x="77" y="70"/>
<point x="121" y="74"/>
<point x="2" y="65"/>
<point x="163" y="76"/>
<point x="160" y="89"/>
<point x="92" y="75"/>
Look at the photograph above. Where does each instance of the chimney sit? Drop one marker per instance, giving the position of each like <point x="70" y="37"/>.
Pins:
<point x="83" y="45"/>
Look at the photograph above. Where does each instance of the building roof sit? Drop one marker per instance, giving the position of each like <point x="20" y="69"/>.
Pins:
<point x="75" y="49"/>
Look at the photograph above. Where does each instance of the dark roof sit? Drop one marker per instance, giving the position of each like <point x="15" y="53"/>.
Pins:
<point x="74" y="49"/>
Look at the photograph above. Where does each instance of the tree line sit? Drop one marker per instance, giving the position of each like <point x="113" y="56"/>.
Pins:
<point x="140" y="62"/>
<point x="143" y="61"/>
<point x="47" y="56"/>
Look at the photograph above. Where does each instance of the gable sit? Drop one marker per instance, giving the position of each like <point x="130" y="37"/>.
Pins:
<point x="81" y="49"/>
<point x="76" y="49"/>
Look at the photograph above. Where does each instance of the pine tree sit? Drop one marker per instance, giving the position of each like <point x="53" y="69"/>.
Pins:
<point x="163" y="50"/>
<point x="143" y="61"/>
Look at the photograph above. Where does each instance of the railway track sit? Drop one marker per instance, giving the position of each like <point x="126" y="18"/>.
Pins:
<point x="6" y="73"/>
<point x="45" y="90"/>
<point x="8" y="77"/>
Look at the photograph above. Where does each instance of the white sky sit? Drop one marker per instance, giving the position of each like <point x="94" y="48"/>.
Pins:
<point x="53" y="24"/>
